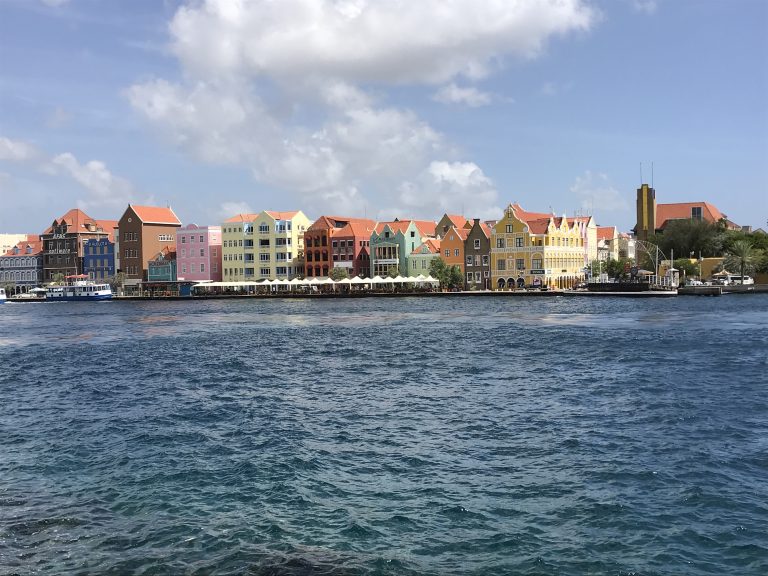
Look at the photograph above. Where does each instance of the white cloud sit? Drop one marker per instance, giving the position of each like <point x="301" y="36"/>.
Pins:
<point x="471" y="96"/>
<point x="597" y="194"/>
<point x="229" y="209"/>
<point x="104" y="188"/>
<point x="295" y="91"/>
<point x="17" y="151"/>
<point x="645" y="6"/>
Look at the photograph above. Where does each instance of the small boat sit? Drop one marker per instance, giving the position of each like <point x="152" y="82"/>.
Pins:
<point x="3" y="297"/>
<point x="78" y="288"/>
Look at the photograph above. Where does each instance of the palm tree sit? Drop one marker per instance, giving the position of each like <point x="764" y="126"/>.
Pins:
<point x="742" y="250"/>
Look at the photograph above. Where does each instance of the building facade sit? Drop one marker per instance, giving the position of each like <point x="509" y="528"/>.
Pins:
<point x="477" y="257"/>
<point x="144" y="232"/>
<point x="607" y="243"/>
<point x="392" y="242"/>
<point x="63" y="242"/>
<point x="420" y="259"/>
<point x="267" y="245"/>
<point x="199" y="253"/>
<point x="337" y="242"/>
<point x="99" y="259"/>
<point x="10" y="241"/>
<point x="452" y="247"/>
<point x="22" y="264"/>
<point x="535" y="249"/>
<point x="162" y="266"/>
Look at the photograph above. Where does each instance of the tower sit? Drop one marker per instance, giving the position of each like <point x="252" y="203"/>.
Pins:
<point x="646" y="212"/>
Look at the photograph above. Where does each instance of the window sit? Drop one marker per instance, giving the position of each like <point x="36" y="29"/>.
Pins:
<point x="263" y="257"/>
<point x="183" y="239"/>
<point x="518" y="242"/>
<point x="163" y="237"/>
<point x="350" y="243"/>
<point x="183" y="252"/>
<point x="536" y="263"/>
<point x="477" y="276"/>
<point x="413" y="234"/>
<point x="520" y="264"/>
<point x="455" y="251"/>
<point x="476" y="242"/>
<point x="696" y="212"/>
<point x="264" y="271"/>
<point x="469" y="260"/>
<point x="447" y="253"/>
<point x="202" y="267"/>
<point x="202" y="238"/>
<point x="335" y="244"/>
<point x="508" y="229"/>
<point x="499" y="242"/>
<point x="485" y="260"/>
<point x="501" y="264"/>
<point x="202" y="252"/>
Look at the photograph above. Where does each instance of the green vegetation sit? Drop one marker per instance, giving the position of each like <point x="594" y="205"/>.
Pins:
<point x="337" y="274"/>
<point x="393" y="272"/>
<point x="742" y="251"/>
<point x="449" y="276"/>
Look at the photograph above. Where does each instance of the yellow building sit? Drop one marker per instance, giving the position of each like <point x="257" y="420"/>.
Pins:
<point x="535" y="249"/>
<point x="263" y="246"/>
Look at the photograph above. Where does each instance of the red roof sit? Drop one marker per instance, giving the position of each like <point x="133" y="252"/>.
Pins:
<point x="457" y="219"/>
<point x="78" y="222"/>
<point x="156" y="215"/>
<point x="431" y="244"/>
<point x="606" y="232"/>
<point x="682" y="211"/>
<point x="282" y="215"/>
<point x="524" y="215"/>
<point x="32" y="240"/>
<point x="358" y="228"/>
<point x="242" y="218"/>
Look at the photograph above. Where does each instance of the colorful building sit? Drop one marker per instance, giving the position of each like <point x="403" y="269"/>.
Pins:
<point x="421" y="258"/>
<point x="535" y="249"/>
<point x="337" y="242"/>
<point x="607" y="243"/>
<point x="63" y="242"/>
<point x="267" y="245"/>
<point x="199" y="253"/>
<point x="449" y="220"/>
<point x="162" y="267"/>
<point x="392" y="242"/>
<point x="477" y="257"/>
<point x="144" y="232"/>
<point x="452" y="246"/>
<point x="22" y="264"/>
<point x="99" y="258"/>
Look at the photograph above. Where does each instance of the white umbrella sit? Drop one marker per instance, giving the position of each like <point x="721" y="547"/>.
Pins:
<point x="358" y="280"/>
<point x="345" y="281"/>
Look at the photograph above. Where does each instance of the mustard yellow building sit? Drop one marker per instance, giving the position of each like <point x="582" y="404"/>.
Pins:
<point x="537" y="249"/>
<point x="261" y="246"/>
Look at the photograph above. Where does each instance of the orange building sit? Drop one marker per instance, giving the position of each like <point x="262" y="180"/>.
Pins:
<point x="452" y="247"/>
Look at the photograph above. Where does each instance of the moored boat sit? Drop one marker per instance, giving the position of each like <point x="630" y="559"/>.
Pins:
<point x="78" y="288"/>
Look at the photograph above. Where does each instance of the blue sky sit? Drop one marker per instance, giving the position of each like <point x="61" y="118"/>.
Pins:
<point x="386" y="109"/>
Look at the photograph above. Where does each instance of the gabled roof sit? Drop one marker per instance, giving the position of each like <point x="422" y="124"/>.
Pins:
<point x="462" y="233"/>
<point x="167" y="252"/>
<point x="430" y="246"/>
<point x="607" y="232"/>
<point x="242" y="217"/>
<point x="395" y="226"/>
<point x="33" y="240"/>
<point x="156" y="215"/>
<point x="682" y="211"/>
<point x="282" y="215"/>
<point x="356" y="228"/>
<point x="524" y="215"/>
<point x="426" y="227"/>
<point x="457" y="220"/>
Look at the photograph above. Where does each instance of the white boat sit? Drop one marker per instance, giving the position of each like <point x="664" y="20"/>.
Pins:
<point x="78" y="288"/>
<point x="3" y="297"/>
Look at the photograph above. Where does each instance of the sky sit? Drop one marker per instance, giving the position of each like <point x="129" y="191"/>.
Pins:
<point x="381" y="108"/>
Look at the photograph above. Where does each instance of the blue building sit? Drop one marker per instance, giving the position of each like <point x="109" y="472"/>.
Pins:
<point x="162" y="268"/>
<point x="99" y="258"/>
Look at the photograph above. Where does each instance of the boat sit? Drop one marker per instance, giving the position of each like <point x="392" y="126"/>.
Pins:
<point x="3" y="297"/>
<point x="78" y="287"/>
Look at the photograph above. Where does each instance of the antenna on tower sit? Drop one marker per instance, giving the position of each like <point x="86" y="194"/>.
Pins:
<point x="651" y="174"/>
<point x="641" y="173"/>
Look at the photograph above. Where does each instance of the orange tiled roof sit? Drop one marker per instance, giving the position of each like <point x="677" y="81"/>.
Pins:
<point x="32" y="240"/>
<point x="457" y="219"/>
<point x="282" y="215"/>
<point x="431" y="244"/>
<point x="242" y="217"/>
<point x="155" y="215"/>
<point x="362" y="229"/>
<point x="395" y="226"/>
<point x="606" y="232"/>
<point x="524" y="215"/>
<point x="682" y="211"/>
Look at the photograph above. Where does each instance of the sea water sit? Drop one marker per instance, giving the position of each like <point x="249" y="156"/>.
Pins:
<point x="416" y="436"/>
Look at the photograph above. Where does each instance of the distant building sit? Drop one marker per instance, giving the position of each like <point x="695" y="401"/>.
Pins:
<point x="162" y="267"/>
<point x="64" y="240"/>
<point x="421" y="258"/>
<point x="627" y="246"/>
<point x="392" y="242"/>
<point x="449" y="220"/>
<point x="477" y="256"/>
<point x="22" y="264"/>
<point x="653" y="217"/>
<point x="99" y="258"/>
<point x="199" y="253"/>
<point x="529" y="248"/>
<point x="9" y="241"/>
<point x="607" y="243"/>
<point x="337" y="242"/>
<point x="267" y="245"/>
<point x="144" y="232"/>
<point x="452" y="246"/>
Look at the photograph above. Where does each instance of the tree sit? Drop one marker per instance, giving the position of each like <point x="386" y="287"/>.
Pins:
<point x="455" y="278"/>
<point x="742" y="250"/>
<point x="58" y="278"/>
<point x="690" y="236"/>
<point x="117" y="281"/>
<point x="338" y="274"/>
<point x="686" y="267"/>
<point x="439" y="271"/>
<point x="393" y="272"/>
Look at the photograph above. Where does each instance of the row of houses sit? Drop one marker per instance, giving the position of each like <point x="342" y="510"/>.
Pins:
<point x="148" y="245"/>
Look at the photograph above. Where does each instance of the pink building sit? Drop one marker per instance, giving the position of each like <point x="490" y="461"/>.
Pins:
<point x="198" y="253"/>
